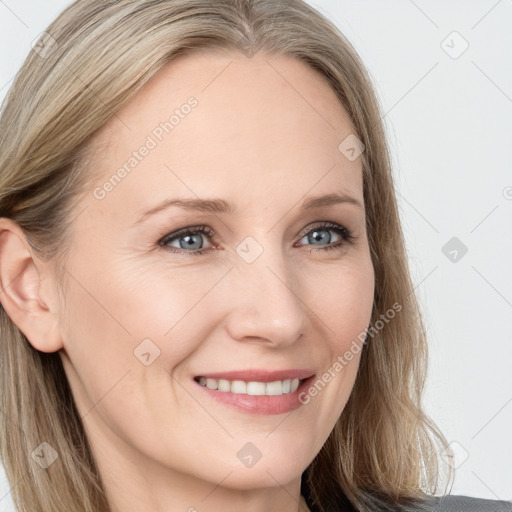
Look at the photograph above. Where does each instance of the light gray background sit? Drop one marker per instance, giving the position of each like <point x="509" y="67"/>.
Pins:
<point x="449" y="122"/>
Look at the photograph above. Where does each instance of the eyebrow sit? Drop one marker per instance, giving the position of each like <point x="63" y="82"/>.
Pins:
<point x="222" y="206"/>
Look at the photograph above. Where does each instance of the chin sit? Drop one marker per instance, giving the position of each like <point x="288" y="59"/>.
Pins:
<point x="263" y="476"/>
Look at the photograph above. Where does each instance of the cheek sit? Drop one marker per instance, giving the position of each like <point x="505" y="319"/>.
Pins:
<point x="122" y="338"/>
<point x="344" y="308"/>
<point x="342" y="298"/>
<point x="177" y="308"/>
<point x="127" y="302"/>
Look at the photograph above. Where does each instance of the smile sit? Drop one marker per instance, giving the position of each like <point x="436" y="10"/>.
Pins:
<point x="253" y="388"/>
<point x="257" y="391"/>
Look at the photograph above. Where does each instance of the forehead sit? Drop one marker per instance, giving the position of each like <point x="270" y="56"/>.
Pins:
<point x="221" y="124"/>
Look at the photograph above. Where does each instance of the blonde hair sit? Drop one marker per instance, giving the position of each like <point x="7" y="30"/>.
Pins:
<point x="383" y="451"/>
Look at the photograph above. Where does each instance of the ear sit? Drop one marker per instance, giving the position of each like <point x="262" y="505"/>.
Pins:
<point x="20" y="293"/>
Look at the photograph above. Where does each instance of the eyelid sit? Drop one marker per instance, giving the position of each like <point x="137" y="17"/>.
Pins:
<point x="202" y="229"/>
<point x="325" y="224"/>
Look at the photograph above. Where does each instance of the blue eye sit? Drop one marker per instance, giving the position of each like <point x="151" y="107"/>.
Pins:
<point x="315" y="235"/>
<point x="190" y="240"/>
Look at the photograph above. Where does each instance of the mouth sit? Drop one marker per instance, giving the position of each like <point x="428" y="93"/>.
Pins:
<point x="252" y="388"/>
<point x="257" y="391"/>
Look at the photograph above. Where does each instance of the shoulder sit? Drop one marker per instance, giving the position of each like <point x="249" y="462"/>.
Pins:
<point x="458" y="503"/>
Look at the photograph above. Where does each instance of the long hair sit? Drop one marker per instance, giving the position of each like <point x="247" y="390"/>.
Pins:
<point x="384" y="451"/>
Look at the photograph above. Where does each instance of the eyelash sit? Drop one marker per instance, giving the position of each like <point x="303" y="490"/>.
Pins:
<point x="346" y="237"/>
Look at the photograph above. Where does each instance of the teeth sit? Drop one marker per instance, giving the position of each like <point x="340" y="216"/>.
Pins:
<point x="255" y="388"/>
<point x="239" y="387"/>
<point x="276" y="388"/>
<point x="212" y="383"/>
<point x="224" y="385"/>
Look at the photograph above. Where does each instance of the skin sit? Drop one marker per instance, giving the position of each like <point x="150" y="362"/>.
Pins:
<point x="263" y="136"/>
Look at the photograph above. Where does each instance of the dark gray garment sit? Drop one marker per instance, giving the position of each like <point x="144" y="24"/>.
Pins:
<point x="447" y="503"/>
<point x="456" y="503"/>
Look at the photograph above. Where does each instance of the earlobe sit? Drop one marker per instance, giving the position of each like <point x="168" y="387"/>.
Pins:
<point x="20" y="292"/>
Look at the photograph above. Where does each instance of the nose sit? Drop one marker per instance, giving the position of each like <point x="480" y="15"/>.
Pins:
<point x="265" y="303"/>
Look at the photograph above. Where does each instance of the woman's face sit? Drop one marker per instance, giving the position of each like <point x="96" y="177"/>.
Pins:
<point x="266" y="293"/>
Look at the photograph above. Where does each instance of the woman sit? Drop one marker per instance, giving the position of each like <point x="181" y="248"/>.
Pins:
<point x="170" y="341"/>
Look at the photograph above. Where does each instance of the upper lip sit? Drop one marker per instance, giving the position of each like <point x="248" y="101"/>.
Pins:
<point x="260" y="375"/>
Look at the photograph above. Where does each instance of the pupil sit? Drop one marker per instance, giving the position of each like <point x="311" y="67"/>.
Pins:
<point x="318" y="236"/>
<point x="190" y="242"/>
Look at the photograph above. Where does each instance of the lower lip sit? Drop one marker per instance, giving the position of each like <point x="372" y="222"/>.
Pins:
<point x="259" y="404"/>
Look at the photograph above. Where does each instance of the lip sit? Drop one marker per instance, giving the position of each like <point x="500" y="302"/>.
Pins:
<point x="260" y="375"/>
<point x="259" y="404"/>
